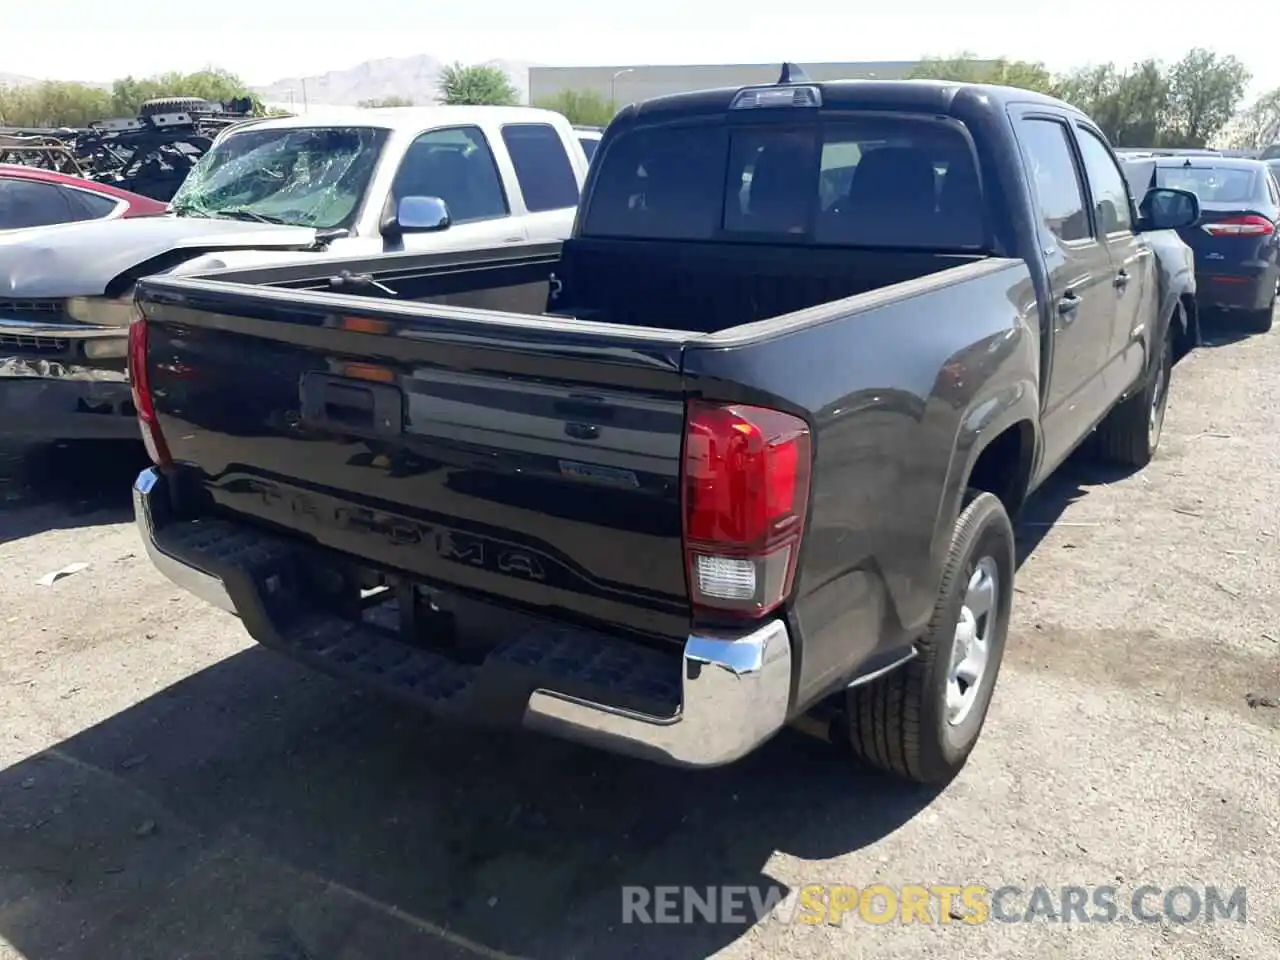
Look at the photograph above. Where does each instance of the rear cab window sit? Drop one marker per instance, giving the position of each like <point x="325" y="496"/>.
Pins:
<point x="853" y="180"/>
<point x="543" y="170"/>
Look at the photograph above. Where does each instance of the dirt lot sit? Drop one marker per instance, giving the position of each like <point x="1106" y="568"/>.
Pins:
<point x="167" y="790"/>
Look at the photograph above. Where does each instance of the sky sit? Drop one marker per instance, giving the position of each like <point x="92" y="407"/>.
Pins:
<point x="263" y="42"/>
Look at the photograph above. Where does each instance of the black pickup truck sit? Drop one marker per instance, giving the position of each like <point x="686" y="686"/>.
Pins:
<point x="741" y="452"/>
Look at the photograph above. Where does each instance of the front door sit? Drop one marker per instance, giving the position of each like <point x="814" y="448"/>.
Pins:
<point x="1133" y="263"/>
<point x="457" y="165"/>
<point x="1082" y="299"/>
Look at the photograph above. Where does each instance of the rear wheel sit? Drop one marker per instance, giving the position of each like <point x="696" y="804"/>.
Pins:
<point x="923" y="720"/>
<point x="1259" y="321"/>
<point x="1131" y="432"/>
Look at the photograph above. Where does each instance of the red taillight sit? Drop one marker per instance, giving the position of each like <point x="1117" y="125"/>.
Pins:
<point x="746" y="490"/>
<point x="1249" y="226"/>
<point x="139" y="383"/>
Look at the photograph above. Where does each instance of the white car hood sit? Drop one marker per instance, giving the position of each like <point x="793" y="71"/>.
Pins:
<point x="80" y="259"/>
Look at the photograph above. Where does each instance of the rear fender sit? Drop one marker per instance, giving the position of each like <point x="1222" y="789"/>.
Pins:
<point x="1006" y="406"/>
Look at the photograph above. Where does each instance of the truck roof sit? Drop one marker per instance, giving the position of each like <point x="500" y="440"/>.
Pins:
<point x="910" y="95"/>
<point x="402" y="118"/>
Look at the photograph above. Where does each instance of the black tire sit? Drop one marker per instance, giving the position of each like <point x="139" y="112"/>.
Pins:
<point x="174" y="105"/>
<point x="1130" y="433"/>
<point x="899" y="722"/>
<point x="1259" y="321"/>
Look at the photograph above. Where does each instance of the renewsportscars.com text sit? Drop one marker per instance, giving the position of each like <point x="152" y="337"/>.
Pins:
<point x="941" y="903"/>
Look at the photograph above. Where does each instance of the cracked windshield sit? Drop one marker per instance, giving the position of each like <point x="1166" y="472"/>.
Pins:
<point x="304" y="177"/>
<point x="661" y="481"/>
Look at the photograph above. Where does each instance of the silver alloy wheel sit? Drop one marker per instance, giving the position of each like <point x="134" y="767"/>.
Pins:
<point x="971" y="649"/>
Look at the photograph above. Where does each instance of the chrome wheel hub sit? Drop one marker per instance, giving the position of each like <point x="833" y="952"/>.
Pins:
<point x="971" y="649"/>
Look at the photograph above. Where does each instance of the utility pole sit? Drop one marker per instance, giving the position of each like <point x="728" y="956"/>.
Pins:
<point x="613" y="84"/>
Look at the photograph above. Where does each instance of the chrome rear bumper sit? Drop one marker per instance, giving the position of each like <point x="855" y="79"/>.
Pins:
<point x="734" y="690"/>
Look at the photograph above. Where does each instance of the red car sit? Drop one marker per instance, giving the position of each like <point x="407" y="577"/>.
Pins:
<point x="30" y="197"/>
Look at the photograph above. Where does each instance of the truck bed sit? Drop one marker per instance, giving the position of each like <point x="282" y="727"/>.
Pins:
<point x="691" y="287"/>
<point x="524" y="458"/>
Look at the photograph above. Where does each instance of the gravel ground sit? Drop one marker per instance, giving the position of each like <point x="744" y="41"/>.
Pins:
<point x="168" y="790"/>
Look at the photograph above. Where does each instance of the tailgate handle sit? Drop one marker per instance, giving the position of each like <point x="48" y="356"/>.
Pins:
<point x="352" y="404"/>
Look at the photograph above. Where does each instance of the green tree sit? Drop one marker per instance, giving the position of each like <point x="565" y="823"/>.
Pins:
<point x="53" y="104"/>
<point x="56" y="104"/>
<point x="583" y="107"/>
<point x="1129" y="106"/>
<point x="477" y="85"/>
<point x="1205" y="90"/>
<point x="129" y="93"/>
<point x="968" y="68"/>
<point x="391" y="101"/>
<point x="1258" y="126"/>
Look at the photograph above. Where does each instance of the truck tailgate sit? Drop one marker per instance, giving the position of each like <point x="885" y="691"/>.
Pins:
<point x="528" y="460"/>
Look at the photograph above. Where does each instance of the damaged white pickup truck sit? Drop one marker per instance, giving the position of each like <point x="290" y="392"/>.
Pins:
<point x="270" y="190"/>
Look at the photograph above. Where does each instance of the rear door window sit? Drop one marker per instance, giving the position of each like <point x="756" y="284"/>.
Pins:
<point x="542" y="165"/>
<point x="1051" y="166"/>
<point x="874" y="181"/>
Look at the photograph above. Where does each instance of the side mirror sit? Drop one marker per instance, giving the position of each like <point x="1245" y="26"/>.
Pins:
<point x="417" y="215"/>
<point x="1164" y="208"/>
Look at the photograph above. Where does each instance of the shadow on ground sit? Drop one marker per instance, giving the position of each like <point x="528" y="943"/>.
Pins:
<point x="258" y="811"/>
<point x="1221" y="329"/>
<point x="1066" y="485"/>
<point x="72" y="484"/>
<point x="255" y="810"/>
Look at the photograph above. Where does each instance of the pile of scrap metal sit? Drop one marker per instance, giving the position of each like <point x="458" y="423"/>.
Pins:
<point x="149" y="154"/>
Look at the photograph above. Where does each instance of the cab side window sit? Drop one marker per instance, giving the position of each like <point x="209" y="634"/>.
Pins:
<point x="1106" y="183"/>
<point x="542" y="165"/>
<point x="1052" y="170"/>
<point x="25" y="203"/>
<point x="457" y="166"/>
<point x="94" y="205"/>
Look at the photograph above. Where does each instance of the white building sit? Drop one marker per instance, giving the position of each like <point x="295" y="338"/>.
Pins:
<point x="625" y="84"/>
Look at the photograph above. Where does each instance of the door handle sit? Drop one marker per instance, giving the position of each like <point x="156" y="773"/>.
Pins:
<point x="512" y="239"/>
<point x="1068" y="306"/>
<point x="1122" y="279"/>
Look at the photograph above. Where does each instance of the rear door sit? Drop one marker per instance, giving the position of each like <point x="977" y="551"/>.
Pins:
<point x="546" y="177"/>
<point x="457" y="164"/>
<point x="1082" y="298"/>
<point x="1133" y="266"/>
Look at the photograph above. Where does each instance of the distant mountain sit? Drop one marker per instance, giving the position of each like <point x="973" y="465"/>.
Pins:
<point x="417" y="78"/>
<point x="18" y="80"/>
